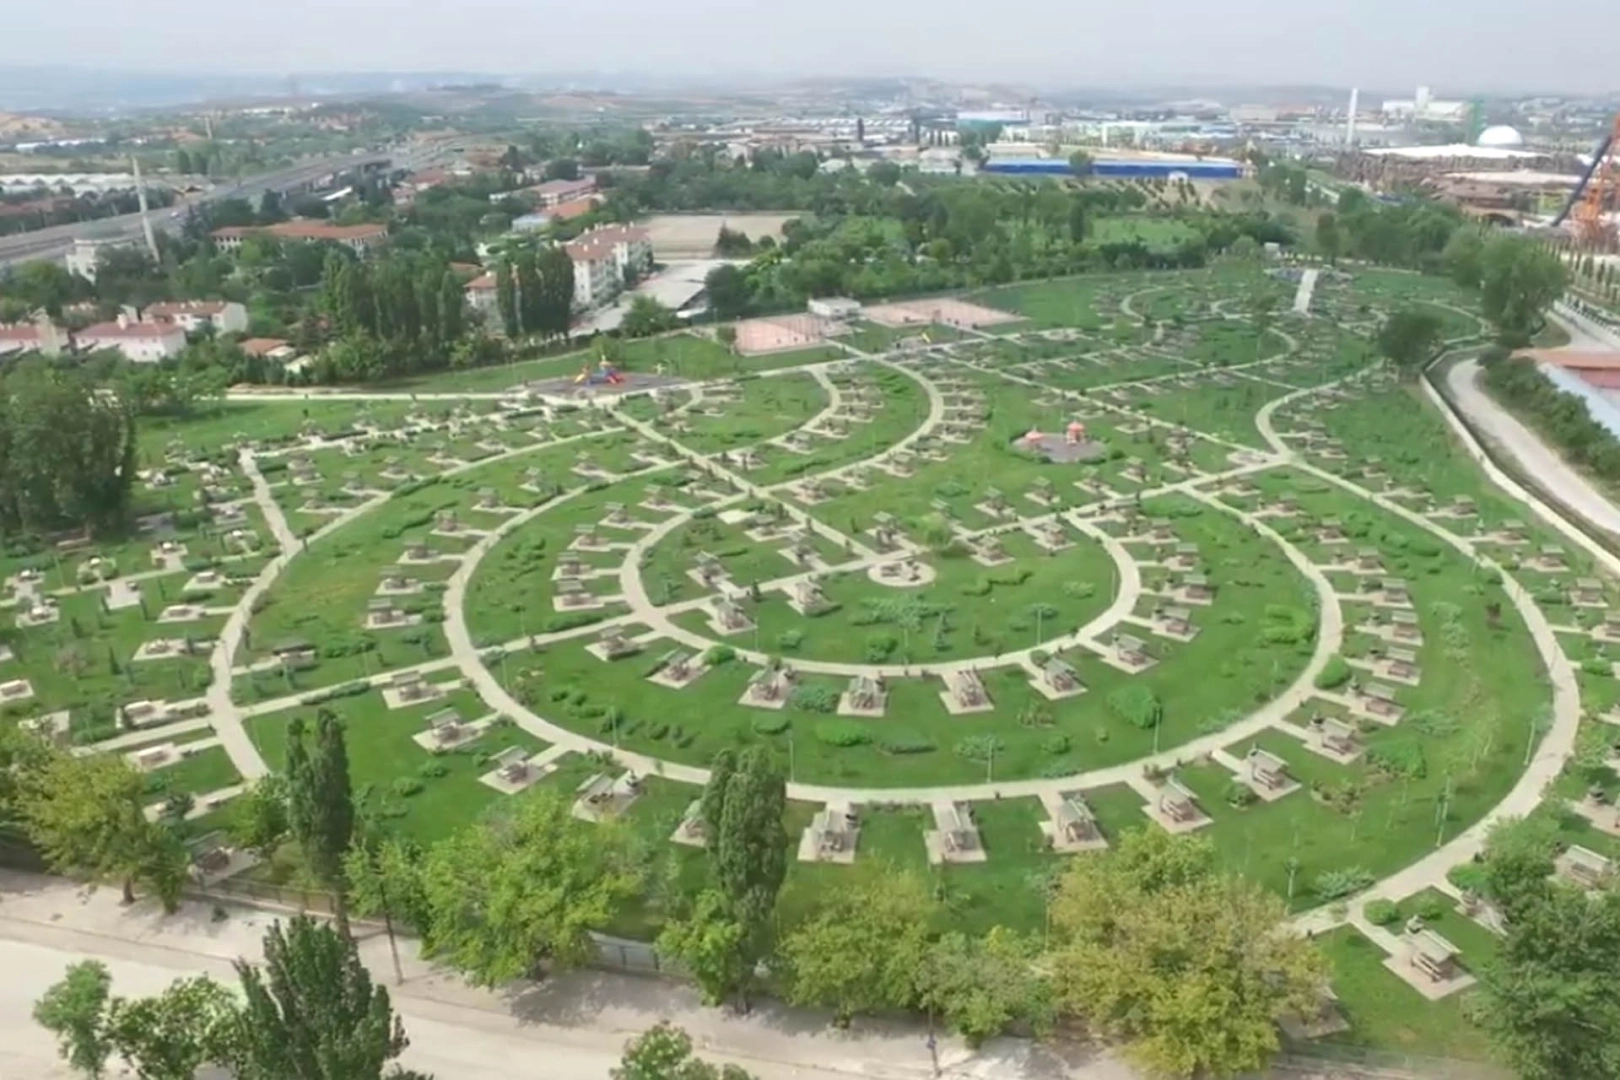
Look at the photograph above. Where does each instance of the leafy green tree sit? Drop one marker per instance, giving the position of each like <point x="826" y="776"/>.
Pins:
<point x="312" y="1011"/>
<point x="741" y="808"/>
<point x="728" y="290"/>
<point x="1329" y="241"/>
<point x="562" y="169"/>
<point x="1191" y="969"/>
<point x="861" y="948"/>
<point x="712" y="944"/>
<point x="67" y="449"/>
<point x="664" y="1052"/>
<point x="506" y="302"/>
<point x="1519" y="281"/>
<point x="1080" y="163"/>
<point x="647" y="317"/>
<point x="1409" y="338"/>
<point x="1464" y="257"/>
<point x="1548" y="994"/>
<point x="555" y="299"/>
<point x="486" y="917"/>
<point x="1518" y="862"/>
<point x="88" y="814"/>
<point x="981" y="986"/>
<point x="732" y="243"/>
<point x="1079" y="220"/>
<point x="257" y="820"/>
<point x="74" y="1009"/>
<point x="169" y="1036"/>
<point x="320" y="804"/>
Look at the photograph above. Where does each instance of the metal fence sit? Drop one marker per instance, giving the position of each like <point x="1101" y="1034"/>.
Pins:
<point x="1339" y="1060"/>
<point x="612" y="953"/>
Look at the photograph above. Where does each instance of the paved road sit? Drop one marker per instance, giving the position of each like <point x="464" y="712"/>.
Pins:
<point x="54" y="242"/>
<point x="573" y="1028"/>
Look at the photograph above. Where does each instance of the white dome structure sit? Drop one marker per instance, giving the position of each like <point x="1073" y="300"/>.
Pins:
<point x="1501" y="137"/>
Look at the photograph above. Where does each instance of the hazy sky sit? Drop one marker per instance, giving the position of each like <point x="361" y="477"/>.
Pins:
<point x="1453" y="45"/>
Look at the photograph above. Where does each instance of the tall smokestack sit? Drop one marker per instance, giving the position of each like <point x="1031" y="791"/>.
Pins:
<point x="1350" y="118"/>
<point x="146" y="218"/>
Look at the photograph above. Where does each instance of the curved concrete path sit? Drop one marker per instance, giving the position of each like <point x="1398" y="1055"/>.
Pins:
<point x="1554" y="749"/>
<point x="1557" y="743"/>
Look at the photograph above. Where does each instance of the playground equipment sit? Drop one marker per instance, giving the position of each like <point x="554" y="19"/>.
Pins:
<point x="1595" y="196"/>
<point x="1075" y="433"/>
<point x="603" y="374"/>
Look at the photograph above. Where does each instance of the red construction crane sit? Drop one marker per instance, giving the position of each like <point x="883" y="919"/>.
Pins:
<point x="1594" y="228"/>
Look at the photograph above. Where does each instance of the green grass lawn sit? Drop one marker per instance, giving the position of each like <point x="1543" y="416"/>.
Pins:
<point x="1387" y="1014"/>
<point x="395" y="775"/>
<point x="1458" y="749"/>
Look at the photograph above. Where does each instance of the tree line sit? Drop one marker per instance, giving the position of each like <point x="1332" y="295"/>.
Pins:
<point x="534" y="291"/>
<point x="967" y="234"/>
<point x="1561" y="416"/>
<point x="1148" y="944"/>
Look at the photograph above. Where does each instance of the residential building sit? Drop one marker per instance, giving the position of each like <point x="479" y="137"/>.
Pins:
<point x="603" y="258"/>
<point x="268" y="348"/>
<point x="144" y="342"/>
<point x="557" y="192"/>
<point x="224" y="316"/>
<point x="481" y="296"/>
<point x="41" y="335"/>
<point x="86" y="255"/>
<point x="361" y="239"/>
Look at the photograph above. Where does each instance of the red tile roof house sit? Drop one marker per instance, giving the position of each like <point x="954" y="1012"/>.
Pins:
<point x="141" y="342"/>
<point x="358" y="238"/>
<point x="268" y="348"/>
<point x="557" y="192"/>
<point x="480" y="293"/>
<point x="225" y="316"/>
<point x="41" y="336"/>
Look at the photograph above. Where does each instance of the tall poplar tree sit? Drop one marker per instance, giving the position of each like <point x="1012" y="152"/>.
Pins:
<point x="312" y="1011"/>
<point x="321" y="804"/>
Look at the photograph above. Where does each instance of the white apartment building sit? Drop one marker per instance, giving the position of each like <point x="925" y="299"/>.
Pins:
<point x="85" y="257"/>
<point x="604" y="257"/>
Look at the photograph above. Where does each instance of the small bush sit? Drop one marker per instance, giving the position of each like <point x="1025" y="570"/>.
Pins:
<point x="406" y="786"/>
<point x="1055" y="744"/>
<point x="1079" y="590"/>
<point x="719" y="654"/>
<point x="879" y="647"/>
<point x="1431" y="907"/>
<point x="1240" y="795"/>
<point x="843" y="733"/>
<point x="814" y="697"/>
<point x="1334" y="884"/>
<point x="1137" y="705"/>
<point x="1468" y="877"/>
<point x="904" y="742"/>
<point x="1335" y="673"/>
<point x="1382" y="912"/>
<point x="789" y="640"/>
<point x="773" y="724"/>
<point x="1398" y="760"/>
<point x="979" y="747"/>
<point x="432" y="769"/>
